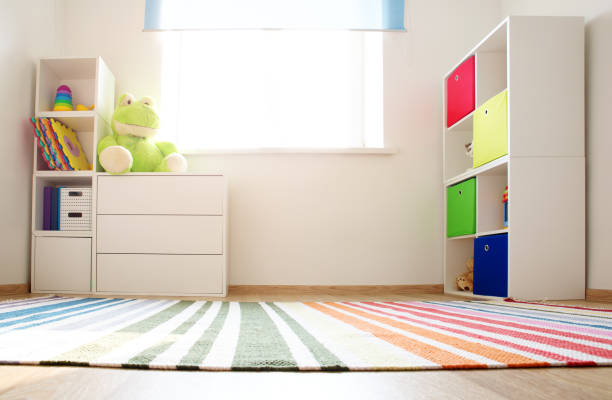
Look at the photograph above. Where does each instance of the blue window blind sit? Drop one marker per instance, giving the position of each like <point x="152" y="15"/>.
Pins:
<point x="374" y="15"/>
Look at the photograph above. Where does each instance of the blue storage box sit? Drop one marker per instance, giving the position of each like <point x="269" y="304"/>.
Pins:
<point x="491" y="265"/>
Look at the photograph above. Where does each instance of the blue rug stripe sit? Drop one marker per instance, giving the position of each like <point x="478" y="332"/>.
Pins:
<point x="35" y="310"/>
<point x="113" y="304"/>
<point x="40" y="316"/>
<point x="521" y="315"/>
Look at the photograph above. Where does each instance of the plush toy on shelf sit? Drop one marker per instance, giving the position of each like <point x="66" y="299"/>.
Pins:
<point x="465" y="281"/>
<point x="130" y="148"/>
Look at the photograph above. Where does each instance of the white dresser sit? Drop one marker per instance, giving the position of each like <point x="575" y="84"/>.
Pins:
<point x="161" y="234"/>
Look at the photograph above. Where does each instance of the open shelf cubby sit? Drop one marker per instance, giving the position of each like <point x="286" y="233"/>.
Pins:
<point x="534" y="145"/>
<point x="56" y="180"/>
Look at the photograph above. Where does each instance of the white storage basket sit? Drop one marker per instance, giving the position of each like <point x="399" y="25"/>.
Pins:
<point x="75" y="209"/>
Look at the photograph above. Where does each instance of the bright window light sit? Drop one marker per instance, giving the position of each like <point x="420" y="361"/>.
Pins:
<point x="272" y="89"/>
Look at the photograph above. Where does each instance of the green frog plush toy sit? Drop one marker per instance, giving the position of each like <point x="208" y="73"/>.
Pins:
<point x="130" y="148"/>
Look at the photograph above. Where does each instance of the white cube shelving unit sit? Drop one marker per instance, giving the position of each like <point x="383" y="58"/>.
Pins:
<point x="62" y="260"/>
<point x="540" y="61"/>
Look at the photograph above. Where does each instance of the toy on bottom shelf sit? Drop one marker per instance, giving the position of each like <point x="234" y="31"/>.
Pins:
<point x="130" y="148"/>
<point x="63" y="99"/>
<point x="465" y="281"/>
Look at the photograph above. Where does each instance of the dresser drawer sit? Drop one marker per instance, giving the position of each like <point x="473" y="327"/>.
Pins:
<point x="161" y="234"/>
<point x="159" y="194"/>
<point x="154" y="274"/>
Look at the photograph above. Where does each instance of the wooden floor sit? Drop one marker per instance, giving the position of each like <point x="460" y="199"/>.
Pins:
<point x="24" y="382"/>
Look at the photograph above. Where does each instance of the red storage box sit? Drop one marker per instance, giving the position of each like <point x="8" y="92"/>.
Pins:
<point x="460" y="92"/>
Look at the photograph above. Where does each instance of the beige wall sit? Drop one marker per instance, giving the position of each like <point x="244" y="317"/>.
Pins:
<point x="598" y="18"/>
<point x="27" y="32"/>
<point x="324" y="219"/>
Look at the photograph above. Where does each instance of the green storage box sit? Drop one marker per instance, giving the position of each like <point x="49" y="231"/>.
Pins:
<point x="461" y="208"/>
<point x="491" y="129"/>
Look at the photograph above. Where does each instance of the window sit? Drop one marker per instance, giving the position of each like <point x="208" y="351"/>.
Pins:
<point x="230" y="89"/>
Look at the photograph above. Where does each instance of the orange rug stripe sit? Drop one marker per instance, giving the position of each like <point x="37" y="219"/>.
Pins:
<point x="442" y="357"/>
<point x="492" y="353"/>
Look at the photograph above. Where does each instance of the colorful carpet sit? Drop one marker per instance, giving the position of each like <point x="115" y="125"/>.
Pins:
<point x="175" y="334"/>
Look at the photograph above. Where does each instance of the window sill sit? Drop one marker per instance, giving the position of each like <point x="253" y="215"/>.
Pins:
<point x="295" y="150"/>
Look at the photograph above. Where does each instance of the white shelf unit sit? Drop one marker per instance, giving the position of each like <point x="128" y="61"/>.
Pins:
<point x="540" y="61"/>
<point x="182" y="251"/>
<point x="58" y="255"/>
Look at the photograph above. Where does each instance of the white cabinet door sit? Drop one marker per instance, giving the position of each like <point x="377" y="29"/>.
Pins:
<point x="62" y="264"/>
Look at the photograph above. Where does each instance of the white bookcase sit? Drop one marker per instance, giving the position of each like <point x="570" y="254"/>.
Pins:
<point x="151" y="233"/>
<point x="62" y="260"/>
<point x="540" y="61"/>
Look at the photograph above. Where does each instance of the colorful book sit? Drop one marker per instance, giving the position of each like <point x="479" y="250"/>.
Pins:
<point x="59" y="205"/>
<point x="47" y="208"/>
<point x="54" y="203"/>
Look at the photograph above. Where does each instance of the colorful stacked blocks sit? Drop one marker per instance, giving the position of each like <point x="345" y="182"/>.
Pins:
<point x="63" y="99"/>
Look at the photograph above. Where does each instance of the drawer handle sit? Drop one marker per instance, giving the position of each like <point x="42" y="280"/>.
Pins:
<point x="486" y="247"/>
<point x="75" y="215"/>
<point x="457" y="77"/>
<point x="75" y="194"/>
<point x="460" y="192"/>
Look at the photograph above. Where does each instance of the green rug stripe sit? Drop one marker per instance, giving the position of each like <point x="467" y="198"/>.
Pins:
<point x="198" y="352"/>
<point x="148" y="355"/>
<point x="108" y="343"/>
<point x="260" y="344"/>
<point x="322" y="354"/>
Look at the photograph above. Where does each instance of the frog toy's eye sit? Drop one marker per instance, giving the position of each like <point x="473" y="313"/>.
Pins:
<point x="147" y="101"/>
<point x="127" y="99"/>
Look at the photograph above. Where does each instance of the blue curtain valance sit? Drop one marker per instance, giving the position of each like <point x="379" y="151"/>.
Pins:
<point x="375" y="15"/>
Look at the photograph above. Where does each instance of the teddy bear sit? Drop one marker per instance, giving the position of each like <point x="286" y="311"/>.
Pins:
<point x="130" y="148"/>
<point x="465" y="281"/>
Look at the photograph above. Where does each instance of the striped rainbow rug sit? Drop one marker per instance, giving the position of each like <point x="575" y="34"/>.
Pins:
<point x="338" y="336"/>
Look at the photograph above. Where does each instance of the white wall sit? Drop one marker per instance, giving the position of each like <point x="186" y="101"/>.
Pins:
<point x="307" y="219"/>
<point x="598" y="18"/>
<point x="324" y="219"/>
<point x="27" y="32"/>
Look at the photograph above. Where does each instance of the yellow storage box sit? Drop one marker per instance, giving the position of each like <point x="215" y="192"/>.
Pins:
<point x="491" y="129"/>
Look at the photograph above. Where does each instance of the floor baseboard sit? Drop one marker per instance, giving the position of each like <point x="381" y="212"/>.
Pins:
<point x="335" y="289"/>
<point x="600" y="295"/>
<point x="21" y="288"/>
